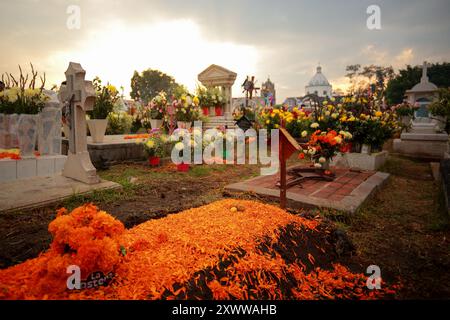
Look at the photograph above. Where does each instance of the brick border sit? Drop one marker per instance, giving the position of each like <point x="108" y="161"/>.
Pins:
<point x="350" y="203"/>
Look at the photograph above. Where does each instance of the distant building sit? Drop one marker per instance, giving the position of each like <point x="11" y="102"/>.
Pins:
<point x="319" y="85"/>
<point x="292" y="102"/>
<point x="268" y="92"/>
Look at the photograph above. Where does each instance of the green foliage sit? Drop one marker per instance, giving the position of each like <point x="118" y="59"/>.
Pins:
<point x="146" y="85"/>
<point x="372" y="132"/>
<point x="22" y="101"/>
<point x="119" y="123"/>
<point x="441" y="107"/>
<point x="407" y="78"/>
<point x="404" y="109"/>
<point x="210" y="97"/>
<point x="106" y="98"/>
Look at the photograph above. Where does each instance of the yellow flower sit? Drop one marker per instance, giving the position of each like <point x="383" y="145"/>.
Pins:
<point x="150" y="144"/>
<point x="12" y="95"/>
<point x="335" y="115"/>
<point x="276" y="126"/>
<point x="351" y="119"/>
<point x="338" y="140"/>
<point x="111" y="89"/>
<point x="378" y="114"/>
<point x="304" y="133"/>
<point x="196" y="101"/>
<point x="315" y="125"/>
<point x="267" y="121"/>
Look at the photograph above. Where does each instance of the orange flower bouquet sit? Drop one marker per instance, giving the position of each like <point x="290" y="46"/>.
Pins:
<point x="323" y="146"/>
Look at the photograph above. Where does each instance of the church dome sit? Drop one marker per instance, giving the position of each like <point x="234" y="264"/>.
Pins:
<point x="319" y="79"/>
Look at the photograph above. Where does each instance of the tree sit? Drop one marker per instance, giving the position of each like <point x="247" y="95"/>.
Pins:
<point x="146" y="85"/>
<point x="439" y="74"/>
<point x="373" y="77"/>
<point x="352" y="72"/>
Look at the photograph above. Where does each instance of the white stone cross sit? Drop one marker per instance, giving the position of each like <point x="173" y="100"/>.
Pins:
<point x="80" y="95"/>
<point x="425" y="72"/>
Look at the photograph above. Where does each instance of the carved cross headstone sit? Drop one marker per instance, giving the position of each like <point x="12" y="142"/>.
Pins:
<point x="79" y="96"/>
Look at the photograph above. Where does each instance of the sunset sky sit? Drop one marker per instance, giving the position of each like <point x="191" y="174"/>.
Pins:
<point x="283" y="39"/>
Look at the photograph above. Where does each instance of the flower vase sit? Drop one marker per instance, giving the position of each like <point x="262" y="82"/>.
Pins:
<point x="326" y="165"/>
<point x="218" y="111"/>
<point x="154" y="161"/>
<point x="405" y="120"/>
<point x="205" y="111"/>
<point x="156" y="123"/>
<point x="27" y="133"/>
<point x="184" y="125"/>
<point x="183" y="167"/>
<point x="365" y="149"/>
<point x="97" y="128"/>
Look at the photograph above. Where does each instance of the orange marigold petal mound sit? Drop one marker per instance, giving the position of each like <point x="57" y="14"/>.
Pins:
<point x="86" y="237"/>
<point x="212" y="252"/>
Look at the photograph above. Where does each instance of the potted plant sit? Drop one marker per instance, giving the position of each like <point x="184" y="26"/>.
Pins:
<point x="156" y="110"/>
<point x="405" y="113"/>
<point x="217" y="101"/>
<point x="181" y="167"/>
<point x="106" y="97"/>
<point x="440" y="109"/>
<point x="119" y="122"/>
<point x="154" y="148"/>
<point x="20" y="103"/>
<point x="184" y="111"/>
<point x="204" y="100"/>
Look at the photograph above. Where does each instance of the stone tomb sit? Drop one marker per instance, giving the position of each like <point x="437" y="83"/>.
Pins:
<point x="50" y="161"/>
<point x="426" y="138"/>
<point x="79" y="175"/>
<point x="217" y="76"/>
<point x="114" y="148"/>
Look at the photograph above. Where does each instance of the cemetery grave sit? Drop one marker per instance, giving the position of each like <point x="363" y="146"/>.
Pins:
<point x="118" y="203"/>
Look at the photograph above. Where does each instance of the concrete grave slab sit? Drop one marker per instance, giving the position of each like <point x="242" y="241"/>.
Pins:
<point x="40" y="191"/>
<point x="346" y="193"/>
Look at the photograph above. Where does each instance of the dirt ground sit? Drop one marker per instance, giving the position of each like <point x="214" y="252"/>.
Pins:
<point x="403" y="229"/>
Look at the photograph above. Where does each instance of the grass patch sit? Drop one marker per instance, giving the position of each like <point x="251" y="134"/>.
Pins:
<point x="98" y="196"/>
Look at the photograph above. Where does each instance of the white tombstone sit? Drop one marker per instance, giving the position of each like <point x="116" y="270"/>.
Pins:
<point x="79" y="95"/>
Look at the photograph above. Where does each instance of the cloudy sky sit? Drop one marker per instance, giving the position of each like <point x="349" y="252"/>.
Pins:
<point x="284" y="39"/>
